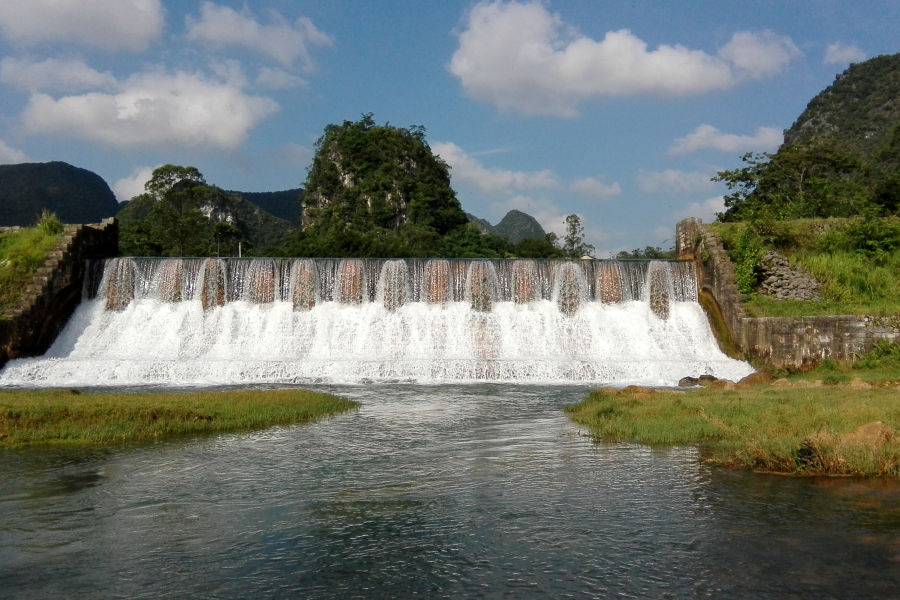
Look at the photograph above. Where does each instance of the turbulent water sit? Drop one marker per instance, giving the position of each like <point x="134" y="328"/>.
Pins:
<point x="475" y="491"/>
<point x="193" y="322"/>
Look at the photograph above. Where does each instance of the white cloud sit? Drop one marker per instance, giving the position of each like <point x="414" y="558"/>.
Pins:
<point x="840" y="54"/>
<point x="491" y="180"/>
<point x="673" y="180"/>
<point x="521" y="58"/>
<point x="707" y="136"/>
<point x="107" y="24"/>
<point x="278" y="79"/>
<point x="152" y="110"/>
<point x="705" y="210"/>
<point x="760" y="54"/>
<point x="66" y="75"/>
<point x="595" y="188"/>
<point x="11" y="156"/>
<point x="133" y="185"/>
<point x="224" y="26"/>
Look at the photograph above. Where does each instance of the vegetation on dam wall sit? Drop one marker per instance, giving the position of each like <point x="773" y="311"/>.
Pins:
<point x="855" y="264"/>
<point x="22" y="253"/>
<point x="71" y="417"/>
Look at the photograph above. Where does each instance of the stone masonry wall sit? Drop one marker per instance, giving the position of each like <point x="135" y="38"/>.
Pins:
<point x="780" y="341"/>
<point x="49" y="300"/>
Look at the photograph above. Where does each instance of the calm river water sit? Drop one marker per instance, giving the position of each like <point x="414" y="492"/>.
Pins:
<point x="445" y="492"/>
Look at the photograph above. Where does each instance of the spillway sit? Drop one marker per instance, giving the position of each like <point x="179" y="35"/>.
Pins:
<point x="203" y="322"/>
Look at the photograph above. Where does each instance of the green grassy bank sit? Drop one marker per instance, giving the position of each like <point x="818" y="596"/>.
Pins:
<point x="21" y="254"/>
<point x="856" y="260"/>
<point x="794" y="430"/>
<point x="68" y="417"/>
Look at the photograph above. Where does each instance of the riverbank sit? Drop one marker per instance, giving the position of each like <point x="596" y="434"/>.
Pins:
<point x="72" y="417"/>
<point x="828" y="430"/>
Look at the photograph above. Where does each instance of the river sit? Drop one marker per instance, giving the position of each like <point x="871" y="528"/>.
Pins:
<point x="475" y="491"/>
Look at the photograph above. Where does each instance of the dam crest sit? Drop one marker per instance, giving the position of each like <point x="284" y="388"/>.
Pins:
<point x="186" y="321"/>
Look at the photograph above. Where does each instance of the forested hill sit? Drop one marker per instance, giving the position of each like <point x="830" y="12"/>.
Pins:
<point x="861" y="109"/>
<point x="515" y="226"/>
<point x="284" y="204"/>
<point x="75" y="195"/>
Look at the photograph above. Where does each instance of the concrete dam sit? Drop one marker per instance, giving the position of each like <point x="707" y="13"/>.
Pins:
<point x="206" y="322"/>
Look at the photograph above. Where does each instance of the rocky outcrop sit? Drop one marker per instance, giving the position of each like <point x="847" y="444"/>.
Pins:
<point x="786" y="281"/>
<point x="49" y="300"/>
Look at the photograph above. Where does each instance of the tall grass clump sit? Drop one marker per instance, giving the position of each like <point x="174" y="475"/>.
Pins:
<point x="781" y="430"/>
<point x="71" y="417"/>
<point x="21" y="254"/>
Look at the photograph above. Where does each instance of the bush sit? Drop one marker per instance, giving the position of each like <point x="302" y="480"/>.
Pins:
<point x="49" y="224"/>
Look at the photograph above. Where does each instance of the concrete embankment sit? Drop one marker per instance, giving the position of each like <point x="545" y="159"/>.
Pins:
<point x="30" y="327"/>
<point x="780" y="341"/>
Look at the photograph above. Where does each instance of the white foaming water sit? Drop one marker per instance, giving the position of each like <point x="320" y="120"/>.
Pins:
<point x="151" y="341"/>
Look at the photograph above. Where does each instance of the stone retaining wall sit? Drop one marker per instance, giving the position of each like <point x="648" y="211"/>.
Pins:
<point x="780" y="341"/>
<point x="49" y="300"/>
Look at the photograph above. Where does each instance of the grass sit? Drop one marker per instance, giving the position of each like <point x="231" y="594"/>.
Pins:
<point x="71" y="417"/>
<point x="759" y="427"/>
<point x="21" y="254"/>
<point x="858" y="276"/>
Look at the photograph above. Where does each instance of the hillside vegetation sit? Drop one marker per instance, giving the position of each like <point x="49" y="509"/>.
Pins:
<point x="841" y="158"/>
<point x="75" y="195"/>
<point x="828" y="200"/>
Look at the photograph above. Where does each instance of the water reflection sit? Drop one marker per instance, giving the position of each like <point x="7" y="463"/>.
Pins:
<point x="436" y="492"/>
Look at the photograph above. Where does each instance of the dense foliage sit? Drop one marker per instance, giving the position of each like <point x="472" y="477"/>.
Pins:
<point x="841" y="158"/>
<point x="648" y="253"/>
<point x="379" y="191"/>
<point x="181" y="215"/>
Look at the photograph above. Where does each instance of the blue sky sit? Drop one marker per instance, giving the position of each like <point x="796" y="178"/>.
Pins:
<point x="617" y="111"/>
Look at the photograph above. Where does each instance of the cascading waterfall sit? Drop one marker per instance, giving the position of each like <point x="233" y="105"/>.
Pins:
<point x="262" y="320"/>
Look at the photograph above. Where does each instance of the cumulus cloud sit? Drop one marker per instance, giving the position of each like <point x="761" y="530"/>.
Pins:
<point x="66" y="75"/>
<point x="285" y="42"/>
<point x="707" y="136"/>
<point x="671" y="179"/>
<point x="491" y="180"/>
<point x="151" y="110"/>
<point x="278" y="79"/>
<point x="11" y="156"/>
<point x="133" y="185"/>
<point x="761" y="54"/>
<point x="840" y="54"/>
<point x="595" y="188"/>
<point x="705" y="210"/>
<point x="521" y="58"/>
<point x="106" y="24"/>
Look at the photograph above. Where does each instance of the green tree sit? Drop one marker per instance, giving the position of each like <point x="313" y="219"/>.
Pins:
<point x="573" y="244"/>
<point x="226" y="237"/>
<point x="812" y="178"/>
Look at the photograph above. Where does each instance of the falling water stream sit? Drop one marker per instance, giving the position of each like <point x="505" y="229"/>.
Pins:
<point x="215" y="321"/>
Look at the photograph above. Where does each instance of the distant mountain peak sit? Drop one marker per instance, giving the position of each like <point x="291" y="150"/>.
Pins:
<point x="515" y="226"/>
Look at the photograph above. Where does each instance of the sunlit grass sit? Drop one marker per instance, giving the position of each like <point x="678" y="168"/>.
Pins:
<point x="21" y="254"/>
<point x="68" y="417"/>
<point x="759" y="427"/>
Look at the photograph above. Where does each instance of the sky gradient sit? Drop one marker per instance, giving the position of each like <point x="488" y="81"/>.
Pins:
<point x="617" y="111"/>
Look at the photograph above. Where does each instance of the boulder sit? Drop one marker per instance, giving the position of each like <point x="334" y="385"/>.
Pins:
<point x="859" y="383"/>
<point x="707" y="379"/>
<point x="638" y="390"/>
<point x="722" y="384"/>
<point x="872" y="435"/>
<point x="755" y="379"/>
<point x="781" y="383"/>
<point x="688" y="382"/>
